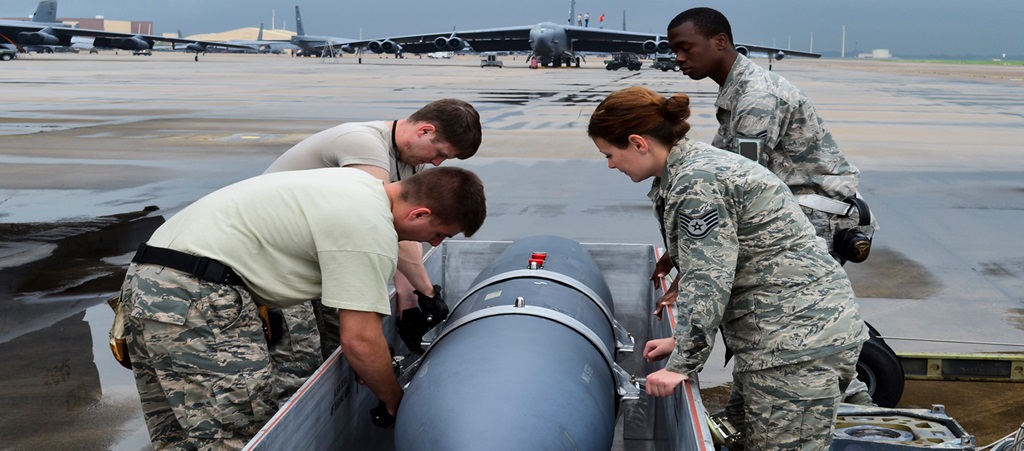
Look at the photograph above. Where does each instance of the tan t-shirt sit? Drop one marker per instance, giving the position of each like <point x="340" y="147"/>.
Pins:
<point x="297" y="235"/>
<point x="347" y="144"/>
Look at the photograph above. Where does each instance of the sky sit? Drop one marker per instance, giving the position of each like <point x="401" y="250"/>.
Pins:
<point x="907" y="28"/>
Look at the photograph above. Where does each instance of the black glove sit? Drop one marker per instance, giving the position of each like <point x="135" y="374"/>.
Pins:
<point x="434" y="309"/>
<point x="415" y="322"/>
<point x="380" y="417"/>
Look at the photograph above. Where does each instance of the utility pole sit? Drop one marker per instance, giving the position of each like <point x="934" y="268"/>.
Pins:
<point x="812" y="43"/>
<point x="842" y="54"/>
<point x="272" y="18"/>
<point x="623" y="20"/>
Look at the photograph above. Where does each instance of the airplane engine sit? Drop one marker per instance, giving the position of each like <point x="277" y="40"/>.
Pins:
<point x="656" y="47"/>
<point x="453" y="43"/>
<point x="742" y="50"/>
<point x="780" y="55"/>
<point x="131" y="43"/>
<point x="389" y="46"/>
<point x="348" y="49"/>
<point x="385" y="46"/>
<point x="524" y="361"/>
<point x="38" y="38"/>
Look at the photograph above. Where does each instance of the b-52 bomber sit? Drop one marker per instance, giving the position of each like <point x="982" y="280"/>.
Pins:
<point x="549" y="43"/>
<point x="44" y="29"/>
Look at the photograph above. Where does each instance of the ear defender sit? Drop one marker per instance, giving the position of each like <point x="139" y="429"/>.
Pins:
<point x="851" y="244"/>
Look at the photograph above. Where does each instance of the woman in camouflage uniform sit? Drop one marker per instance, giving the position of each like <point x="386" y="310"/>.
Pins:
<point x="749" y="263"/>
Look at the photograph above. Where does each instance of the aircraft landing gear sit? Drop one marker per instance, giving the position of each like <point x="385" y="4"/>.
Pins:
<point x="197" y="57"/>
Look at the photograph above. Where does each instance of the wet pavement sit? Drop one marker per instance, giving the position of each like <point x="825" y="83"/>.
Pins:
<point x="95" y="150"/>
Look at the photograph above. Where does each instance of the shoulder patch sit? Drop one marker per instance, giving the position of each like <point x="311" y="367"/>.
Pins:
<point x="699" y="226"/>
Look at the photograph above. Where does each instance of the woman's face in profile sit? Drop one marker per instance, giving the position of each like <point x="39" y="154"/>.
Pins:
<point x="631" y="160"/>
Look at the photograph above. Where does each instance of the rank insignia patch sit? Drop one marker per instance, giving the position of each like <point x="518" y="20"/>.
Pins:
<point x="699" y="226"/>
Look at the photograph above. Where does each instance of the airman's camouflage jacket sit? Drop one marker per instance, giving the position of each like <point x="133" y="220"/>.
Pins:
<point x="749" y="261"/>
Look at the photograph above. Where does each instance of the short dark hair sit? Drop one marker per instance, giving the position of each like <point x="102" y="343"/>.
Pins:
<point x="457" y="123"/>
<point x="708" y="22"/>
<point x="454" y="194"/>
<point x="640" y="111"/>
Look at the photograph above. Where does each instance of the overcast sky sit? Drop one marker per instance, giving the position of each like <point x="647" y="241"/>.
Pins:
<point x="987" y="28"/>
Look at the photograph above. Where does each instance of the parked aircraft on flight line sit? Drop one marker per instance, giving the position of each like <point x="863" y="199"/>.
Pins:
<point x="314" y="45"/>
<point x="260" y="45"/>
<point x="44" y="29"/>
<point x="552" y="44"/>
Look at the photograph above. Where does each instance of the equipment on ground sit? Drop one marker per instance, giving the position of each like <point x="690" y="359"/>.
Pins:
<point x="628" y="60"/>
<point x="525" y="361"/>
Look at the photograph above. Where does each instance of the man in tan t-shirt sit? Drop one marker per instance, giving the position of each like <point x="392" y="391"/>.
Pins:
<point x="390" y="151"/>
<point x="204" y="365"/>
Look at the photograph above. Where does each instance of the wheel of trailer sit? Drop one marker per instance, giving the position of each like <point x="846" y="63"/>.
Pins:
<point x="1005" y="445"/>
<point x="880" y="369"/>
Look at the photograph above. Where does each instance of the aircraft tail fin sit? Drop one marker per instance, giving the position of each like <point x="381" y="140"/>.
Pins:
<point x="299" y="31"/>
<point x="259" y="36"/>
<point x="179" y="34"/>
<point x="46" y="11"/>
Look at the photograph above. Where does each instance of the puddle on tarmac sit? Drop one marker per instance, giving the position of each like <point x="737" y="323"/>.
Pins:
<point x="248" y="137"/>
<point x="58" y="374"/>
<point x="1016" y="317"/>
<point x="892" y="275"/>
<point x="24" y="129"/>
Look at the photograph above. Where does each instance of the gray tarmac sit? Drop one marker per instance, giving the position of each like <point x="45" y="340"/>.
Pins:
<point x="88" y="142"/>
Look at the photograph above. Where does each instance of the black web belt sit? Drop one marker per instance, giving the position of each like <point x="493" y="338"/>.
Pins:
<point x="201" y="267"/>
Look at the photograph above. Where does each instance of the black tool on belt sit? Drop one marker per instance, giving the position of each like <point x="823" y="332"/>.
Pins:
<point x="203" y="268"/>
<point x="209" y="270"/>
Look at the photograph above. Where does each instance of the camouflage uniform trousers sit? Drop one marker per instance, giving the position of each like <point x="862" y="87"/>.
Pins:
<point x="205" y="374"/>
<point x="792" y="407"/>
<point x="826" y="225"/>
<point x="327" y="323"/>
<point x="297" y="355"/>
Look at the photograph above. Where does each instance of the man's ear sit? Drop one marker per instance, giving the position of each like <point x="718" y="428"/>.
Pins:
<point x="426" y="129"/>
<point x="721" y="41"/>
<point x="419" y="213"/>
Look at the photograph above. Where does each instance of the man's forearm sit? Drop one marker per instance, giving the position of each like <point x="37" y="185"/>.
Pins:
<point x="372" y="362"/>
<point x="364" y="346"/>
<point x="410" y="264"/>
